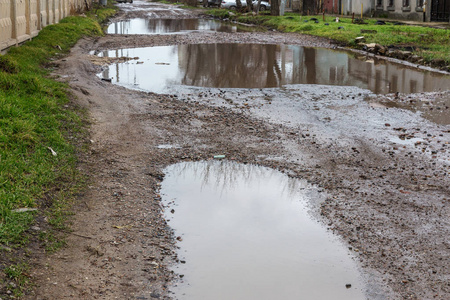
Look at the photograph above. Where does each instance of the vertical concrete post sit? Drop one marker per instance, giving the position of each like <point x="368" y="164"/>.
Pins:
<point x="51" y="7"/>
<point x="28" y="16"/>
<point x="38" y="14"/>
<point x="14" y="20"/>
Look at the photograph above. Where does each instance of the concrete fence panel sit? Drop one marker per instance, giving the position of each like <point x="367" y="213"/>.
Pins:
<point x="22" y="17"/>
<point x="43" y="7"/>
<point x="21" y="20"/>
<point x="50" y="12"/>
<point x="79" y="5"/>
<point x="57" y="10"/>
<point x="66" y="8"/>
<point x="6" y="24"/>
<point x="34" y="20"/>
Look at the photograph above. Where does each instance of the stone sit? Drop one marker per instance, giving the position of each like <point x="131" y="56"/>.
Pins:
<point x="414" y="58"/>
<point x="405" y="54"/>
<point x="380" y="49"/>
<point x="438" y="63"/>
<point x="360" y="39"/>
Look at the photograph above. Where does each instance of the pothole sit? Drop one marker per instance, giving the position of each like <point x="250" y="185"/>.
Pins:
<point x="173" y="26"/>
<point x="161" y="69"/>
<point x="245" y="232"/>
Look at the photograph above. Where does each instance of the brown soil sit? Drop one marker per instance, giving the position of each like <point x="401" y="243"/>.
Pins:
<point x="392" y="211"/>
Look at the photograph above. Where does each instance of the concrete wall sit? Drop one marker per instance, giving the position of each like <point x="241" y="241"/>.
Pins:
<point x="398" y="10"/>
<point x="20" y="20"/>
<point x="364" y="6"/>
<point x="331" y="6"/>
<point x="414" y="10"/>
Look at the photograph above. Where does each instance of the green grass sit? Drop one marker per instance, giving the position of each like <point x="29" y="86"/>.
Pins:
<point x="430" y="43"/>
<point x="18" y="277"/>
<point x="32" y="120"/>
<point x="36" y="116"/>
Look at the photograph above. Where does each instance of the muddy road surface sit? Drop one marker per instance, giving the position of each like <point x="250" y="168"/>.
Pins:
<point x="379" y="162"/>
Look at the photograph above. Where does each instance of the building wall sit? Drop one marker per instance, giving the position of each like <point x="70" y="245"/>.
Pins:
<point x="361" y="6"/>
<point x="331" y="6"/>
<point x="415" y="10"/>
<point x="400" y="9"/>
<point x="20" y="20"/>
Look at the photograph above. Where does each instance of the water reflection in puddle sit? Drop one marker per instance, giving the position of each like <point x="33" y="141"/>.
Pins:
<point x="246" y="234"/>
<point x="170" y="26"/>
<point x="263" y="66"/>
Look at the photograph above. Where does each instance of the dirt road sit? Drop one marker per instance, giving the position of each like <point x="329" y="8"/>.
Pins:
<point x="388" y="201"/>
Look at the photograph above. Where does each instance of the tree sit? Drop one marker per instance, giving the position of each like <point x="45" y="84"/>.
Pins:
<point x="275" y="8"/>
<point x="249" y="5"/>
<point x="258" y="6"/>
<point x="238" y="5"/>
<point x="191" y="2"/>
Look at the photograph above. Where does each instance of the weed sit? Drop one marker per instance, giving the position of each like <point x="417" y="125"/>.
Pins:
<point x="51" y="242"/>
<point x="8" y="65"/>
<point x="18" y="278"/>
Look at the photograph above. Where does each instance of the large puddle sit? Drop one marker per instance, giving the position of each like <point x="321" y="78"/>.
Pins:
<point x="172" y="26"/>
<point x="160" y="69"/>
<point x="246" y="233"/>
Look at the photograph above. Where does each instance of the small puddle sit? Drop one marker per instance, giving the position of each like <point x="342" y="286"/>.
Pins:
<point x="246" y="234"/>
<point x="160" y="69"/>
<point x="168" y="146"/>
<point x="411" y="141"/>
<point x="172" y="26"/>
<point x="434" y="108"/>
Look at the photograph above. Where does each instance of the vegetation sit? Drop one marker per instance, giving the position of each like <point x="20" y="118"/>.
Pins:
<point x="428" y="43"/>
<point x="38" y="129"/>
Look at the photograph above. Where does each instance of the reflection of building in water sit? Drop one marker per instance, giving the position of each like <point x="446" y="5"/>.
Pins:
<point x="319" y="66"/>
<point x="230" y="65"/>
<point x="267" y="66"/>
<point x="324" y="66"/>
<point x="166" y="26"/>
<point x="125" y="70"/>
<point x="383" y="77"/>
<point x="105" y="72"/>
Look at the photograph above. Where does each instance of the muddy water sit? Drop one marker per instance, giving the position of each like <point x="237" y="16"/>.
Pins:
<point x="264" y="66"/>
<point x="246" y="234"/>
<point x="433" y="108"/>
<point x="171" y="26"/>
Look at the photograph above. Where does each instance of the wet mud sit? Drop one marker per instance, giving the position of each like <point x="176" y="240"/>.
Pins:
<point x="380" y="162"/>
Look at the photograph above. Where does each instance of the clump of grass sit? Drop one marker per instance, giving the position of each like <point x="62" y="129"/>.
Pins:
<point x="219" y="13"/>
<point x="18" y="278"/>
<point x="51" y="242"/>
<point x="102" y="13"/>
<point x="8" y="65"/>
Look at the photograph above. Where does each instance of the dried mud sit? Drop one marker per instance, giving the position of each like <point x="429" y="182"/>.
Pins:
<point x="388" y="205"/>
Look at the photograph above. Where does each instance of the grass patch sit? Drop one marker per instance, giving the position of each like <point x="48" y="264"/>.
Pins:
<point x="18" y="278"/>
<point x="37" y="121"/>
<point x="32" y="121"/>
